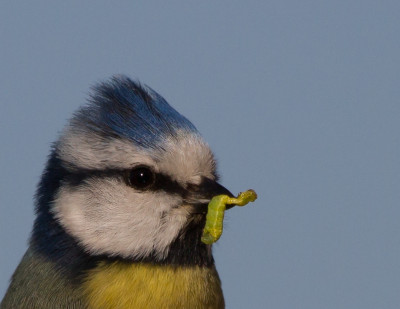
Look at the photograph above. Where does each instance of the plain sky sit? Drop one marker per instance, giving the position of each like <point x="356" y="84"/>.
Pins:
<point x="298" y="99"/>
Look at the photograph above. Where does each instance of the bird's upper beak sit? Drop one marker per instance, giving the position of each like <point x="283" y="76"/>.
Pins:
<point x="200" y="195"/>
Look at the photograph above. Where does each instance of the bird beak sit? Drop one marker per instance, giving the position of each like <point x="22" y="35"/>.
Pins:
<point x="209" y="188"/>
<point x="201" y="194"/>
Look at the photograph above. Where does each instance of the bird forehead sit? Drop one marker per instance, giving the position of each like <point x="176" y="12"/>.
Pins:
<point x="185" y="157"/>
<point x="188" y="159"/>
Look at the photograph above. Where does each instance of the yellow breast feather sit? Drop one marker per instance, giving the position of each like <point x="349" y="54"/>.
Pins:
<point x="140" y="285"/>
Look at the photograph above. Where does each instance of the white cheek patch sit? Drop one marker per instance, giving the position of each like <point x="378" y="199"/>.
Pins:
<point x="108" y="217"/>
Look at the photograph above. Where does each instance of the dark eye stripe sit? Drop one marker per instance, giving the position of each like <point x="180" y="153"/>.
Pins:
<point x="162" y="182"/>
<point x="166" y="183"/>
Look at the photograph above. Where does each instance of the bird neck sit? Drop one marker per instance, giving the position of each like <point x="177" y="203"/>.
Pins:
<point x="145" y="285"/>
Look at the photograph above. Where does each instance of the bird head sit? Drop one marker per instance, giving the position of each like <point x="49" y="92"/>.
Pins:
<point x="128" y="178"/>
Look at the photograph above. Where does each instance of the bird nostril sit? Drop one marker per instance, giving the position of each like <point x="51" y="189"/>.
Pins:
<point x="207" y="189"/>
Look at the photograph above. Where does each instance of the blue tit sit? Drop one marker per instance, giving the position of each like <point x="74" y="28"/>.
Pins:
<point x="120" y="210"/>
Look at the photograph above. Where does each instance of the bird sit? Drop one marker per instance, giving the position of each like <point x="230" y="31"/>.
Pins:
<point x="120" y="209"/>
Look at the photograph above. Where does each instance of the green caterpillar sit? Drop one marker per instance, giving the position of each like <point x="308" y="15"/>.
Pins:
<point x="216" y="210"/>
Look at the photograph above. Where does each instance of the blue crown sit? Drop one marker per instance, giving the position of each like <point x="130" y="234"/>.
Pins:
<point x="124" y="108"/>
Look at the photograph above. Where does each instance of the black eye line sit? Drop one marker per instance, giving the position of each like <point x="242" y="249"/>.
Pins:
<point x="166" y="183"/>
<point x="162" y="181"/>
<point x="76" y="178"/>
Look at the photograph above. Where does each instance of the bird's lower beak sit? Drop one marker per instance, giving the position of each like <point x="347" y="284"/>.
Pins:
<point x="200" y="195"/>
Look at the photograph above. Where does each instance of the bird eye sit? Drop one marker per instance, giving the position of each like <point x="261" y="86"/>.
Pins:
<point x="141" y="177"/>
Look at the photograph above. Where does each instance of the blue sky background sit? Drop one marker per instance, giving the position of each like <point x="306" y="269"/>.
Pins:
<point x="298" y="99"/>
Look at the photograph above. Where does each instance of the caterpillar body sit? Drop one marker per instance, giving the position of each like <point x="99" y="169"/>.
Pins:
<point x="216" y="210"/>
